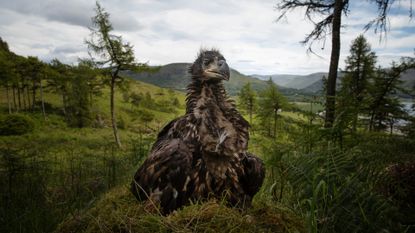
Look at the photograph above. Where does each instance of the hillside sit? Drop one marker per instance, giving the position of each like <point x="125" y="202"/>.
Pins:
<point x="175" y="76"/>
<point x="408" y="82"/>
<point x="293" y="81"/>
<point x="70" y="174"/>
<point x="67" y="179"/>
<point x="281" y="79"/>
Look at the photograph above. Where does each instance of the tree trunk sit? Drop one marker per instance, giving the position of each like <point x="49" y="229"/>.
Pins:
<point x="24" y="98"/>
<point x="14" y="99"/>
<point x="8" y="99"/>
<point x="275" y="122"/>
<point x="113" y="118"/>
<point x="91" y="100"/>
<point x="250" y="113"/>
<point x="34" y="95"/>
<point x="372" y="116"/>
<point x="354" y="124"/>
<point x="334" y="63"/>
<point x="18" y="97"/>
<point x="63" y="104"/>
<point x="42" y="100"/>
<point x="391" y="126"/>
<point x="28" y="97"/>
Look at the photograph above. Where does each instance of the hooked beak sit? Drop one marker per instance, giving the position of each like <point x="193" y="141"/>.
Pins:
<point x="218" y="71"/>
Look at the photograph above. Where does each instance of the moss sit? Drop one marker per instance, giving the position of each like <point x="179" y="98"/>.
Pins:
<point x="118" y="211"/>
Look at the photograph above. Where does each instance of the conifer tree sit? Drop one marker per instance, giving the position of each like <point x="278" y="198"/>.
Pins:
<point x="384" y="106"/>
<point x="270" y="103"/>
<point x="326" y="15"/>
<point x="353" y="94"/>
<point x="248" y="100"/>
<point x="114" y="54"/>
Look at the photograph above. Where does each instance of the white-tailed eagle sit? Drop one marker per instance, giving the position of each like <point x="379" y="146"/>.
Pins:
<point x="204" y="153"/>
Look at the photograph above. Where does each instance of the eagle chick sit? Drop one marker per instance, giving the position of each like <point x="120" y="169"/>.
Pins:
<point x="202" y="154"/>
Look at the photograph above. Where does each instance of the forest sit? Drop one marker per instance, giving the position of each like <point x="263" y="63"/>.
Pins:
<point x="338" y="160"/>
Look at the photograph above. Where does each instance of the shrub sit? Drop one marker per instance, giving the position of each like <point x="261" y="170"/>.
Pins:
<point x="16" y="125"/>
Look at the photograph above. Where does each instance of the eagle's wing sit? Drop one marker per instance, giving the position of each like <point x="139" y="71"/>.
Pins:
<point x="164" y="133"/>
<point x="254" y="173"/>
<point x="163" y="177"/>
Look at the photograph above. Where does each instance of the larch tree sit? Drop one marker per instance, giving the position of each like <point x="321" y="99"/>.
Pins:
<point x="6" y="72"/>
<point x="271" y="101"/>
<point x="326" y="15"/>
<point x="45" y="72"/>
<point x="360" y="69"/>
<point x="114" y="54"/>
<point x="248" y="100"/>
<point x="33" y="70"/>
<point x="59" y="79"/>
<point x="385" y="107"/>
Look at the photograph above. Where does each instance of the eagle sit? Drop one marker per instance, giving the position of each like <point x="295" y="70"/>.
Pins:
<point x="202" y="154"/>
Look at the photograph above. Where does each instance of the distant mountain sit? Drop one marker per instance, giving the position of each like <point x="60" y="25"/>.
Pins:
<point x="408" y="79"/>
<point x="172" y="76"/>
<point x="293" y="81"/>
<point x="175" y="76"/>
<point x="280" y="79"/>
<point x="314" y="88"/>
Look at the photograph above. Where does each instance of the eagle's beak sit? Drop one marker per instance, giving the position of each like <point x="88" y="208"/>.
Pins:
<point x="218" y="70"/>
<point x="224" y="69"/>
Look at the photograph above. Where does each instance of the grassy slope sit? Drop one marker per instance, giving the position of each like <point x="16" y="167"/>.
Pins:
<point x="90" y="151"/>
<point x="117" y="210"/>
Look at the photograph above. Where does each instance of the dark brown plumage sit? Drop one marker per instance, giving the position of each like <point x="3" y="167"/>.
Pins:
<point x="203" y="153"/>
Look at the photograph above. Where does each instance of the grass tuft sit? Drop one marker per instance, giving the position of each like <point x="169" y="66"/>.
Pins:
<point x="118" y="211"/>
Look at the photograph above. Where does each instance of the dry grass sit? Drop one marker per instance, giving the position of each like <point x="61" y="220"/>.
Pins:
<point x="118" y="211"/>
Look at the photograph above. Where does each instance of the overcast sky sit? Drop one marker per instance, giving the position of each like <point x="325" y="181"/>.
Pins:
<point x="167" y="31"/>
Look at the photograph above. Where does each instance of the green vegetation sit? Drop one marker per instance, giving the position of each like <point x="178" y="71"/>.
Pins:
<point x="115" y="55"/>
<point x="248" y="100"/>
<point x="16" y="125"/>
<point x="354" y="92"/>
<point x="271" y="102"/>
<point x="119" y="211"/>
<point x="62" y="171"/>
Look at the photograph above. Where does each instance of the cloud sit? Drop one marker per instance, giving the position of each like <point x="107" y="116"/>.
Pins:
<point x="71" y="12"/>
<point x="74" y="12"/>
<point x="67" y="49"/>
<point x="173" y="31"/>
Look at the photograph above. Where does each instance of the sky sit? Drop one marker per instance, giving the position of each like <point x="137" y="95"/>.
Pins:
<point x="168" y="31"/>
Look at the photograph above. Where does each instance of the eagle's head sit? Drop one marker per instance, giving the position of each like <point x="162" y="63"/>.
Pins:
<point x="210" y="65"/>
